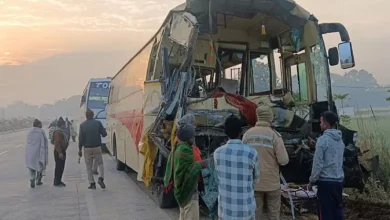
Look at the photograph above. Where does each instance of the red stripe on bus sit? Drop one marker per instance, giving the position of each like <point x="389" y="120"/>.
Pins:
<point x="133" y="120"/>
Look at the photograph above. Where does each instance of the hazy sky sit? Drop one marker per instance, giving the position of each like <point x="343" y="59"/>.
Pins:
<point x="47" y="42"/>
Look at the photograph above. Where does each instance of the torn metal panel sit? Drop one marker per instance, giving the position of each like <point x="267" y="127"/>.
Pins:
<point x="286" y="10"/>
<point x="210" y="195"/>
<point x="182" y="26"/>
<point x="212" y="117"/>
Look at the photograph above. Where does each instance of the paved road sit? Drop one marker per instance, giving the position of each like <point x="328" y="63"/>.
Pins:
<point x="122" y="200"/>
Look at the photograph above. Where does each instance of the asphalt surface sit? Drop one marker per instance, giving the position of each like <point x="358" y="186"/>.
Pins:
<point x="122" y="200"/>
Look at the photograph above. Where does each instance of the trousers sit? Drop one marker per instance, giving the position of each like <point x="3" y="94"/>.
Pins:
<point x="272" y="201"/>
<point x="35" y="175"/>
<point x="330" y="200"/>
<point x="190" y="211"/>
<point x="60" y="167"/>
<point x="93" y="155"/>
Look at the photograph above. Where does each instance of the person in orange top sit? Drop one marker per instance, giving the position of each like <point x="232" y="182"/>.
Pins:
<point x="189" y="119"/>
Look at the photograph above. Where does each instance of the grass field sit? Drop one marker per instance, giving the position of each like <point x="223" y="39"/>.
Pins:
<point x="371" y="126"/>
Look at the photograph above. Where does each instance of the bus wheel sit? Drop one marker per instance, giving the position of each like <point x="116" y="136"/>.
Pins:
<point x="119" y="165"/>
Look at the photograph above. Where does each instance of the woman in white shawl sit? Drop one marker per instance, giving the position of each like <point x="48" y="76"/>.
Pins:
<point x="36" y="153"/>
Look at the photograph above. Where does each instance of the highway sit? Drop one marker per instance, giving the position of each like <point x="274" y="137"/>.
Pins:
<point x="122" y="200"/>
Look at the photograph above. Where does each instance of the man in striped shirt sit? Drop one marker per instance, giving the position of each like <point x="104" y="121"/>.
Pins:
<point x="238" y="171"/>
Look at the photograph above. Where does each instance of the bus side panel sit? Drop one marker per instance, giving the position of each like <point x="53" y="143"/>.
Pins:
<point x="133" y="122"/>
<point x="151" y="100"/>
<point x="127" y="107"/>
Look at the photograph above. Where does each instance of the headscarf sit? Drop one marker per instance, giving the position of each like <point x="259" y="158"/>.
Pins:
<point x="186" y="132"/>
<point x="265" y="114"/>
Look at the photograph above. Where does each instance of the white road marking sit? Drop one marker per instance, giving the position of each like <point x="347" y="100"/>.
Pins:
<point x="3" y="152"/>
<point x="18" y="146"/>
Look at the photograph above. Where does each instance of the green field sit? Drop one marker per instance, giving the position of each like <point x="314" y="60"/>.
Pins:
<point x="369" y="124"/>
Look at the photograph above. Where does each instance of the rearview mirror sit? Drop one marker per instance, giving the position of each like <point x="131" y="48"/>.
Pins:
<point x="83" y="98"/>
<point x="347" y="59"/>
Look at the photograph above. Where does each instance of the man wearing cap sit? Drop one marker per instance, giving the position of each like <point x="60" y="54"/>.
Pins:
<point x="182" y="173"/>
<point x="272" y="154"/>
<point x="327" y="171"/>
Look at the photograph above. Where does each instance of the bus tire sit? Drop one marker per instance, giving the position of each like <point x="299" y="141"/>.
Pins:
<point x="119" y="165"/>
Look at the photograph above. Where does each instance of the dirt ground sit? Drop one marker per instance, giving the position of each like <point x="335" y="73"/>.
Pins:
<point x="353" y="210"/>
<point x="363" y="210"/>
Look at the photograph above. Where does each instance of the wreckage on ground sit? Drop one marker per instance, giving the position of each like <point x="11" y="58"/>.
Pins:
<point x="215" y="58"/>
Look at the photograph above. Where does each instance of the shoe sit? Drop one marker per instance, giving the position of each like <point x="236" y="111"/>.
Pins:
<point x="92" y="186"/>
<point x="101" y="183"/>
<point x="32" y="183"/>
<point x="61" y="184"/>
<point x="95" y="173"/>
<point x="39" y="181"/>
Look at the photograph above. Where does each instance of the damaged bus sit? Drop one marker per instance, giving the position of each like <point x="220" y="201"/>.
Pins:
<point x="214" y="58"/>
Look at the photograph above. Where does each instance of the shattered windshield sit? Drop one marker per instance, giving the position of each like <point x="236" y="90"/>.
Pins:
<point x="319" y="61"/>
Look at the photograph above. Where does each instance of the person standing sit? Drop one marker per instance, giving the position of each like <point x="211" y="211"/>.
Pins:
<point x="237" y="168"/>
<point x="68" y="126"/>
<point x="189" y="119"/>
<point x="182" y="173"/>
<point x="327" y="170"/>
<point x="73" y="132"/>
<point x="36" y="153"/>
<point x="272" y="154"/>
<point x="60" y="142"/>
<point x="90" y="134"/>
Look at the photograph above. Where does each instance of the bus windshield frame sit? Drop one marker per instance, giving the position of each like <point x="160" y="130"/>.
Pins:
<point x="97" y="99"/>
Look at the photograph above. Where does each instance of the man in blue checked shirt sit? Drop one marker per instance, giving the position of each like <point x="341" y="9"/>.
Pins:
<point x="237" y="167"/>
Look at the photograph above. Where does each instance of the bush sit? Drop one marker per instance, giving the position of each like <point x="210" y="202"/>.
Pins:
<point x="373" y="140"/>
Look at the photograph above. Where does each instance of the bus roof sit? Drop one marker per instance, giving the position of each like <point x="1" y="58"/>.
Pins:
<point x="287" y="11"/>
<point x="99" y="79"/>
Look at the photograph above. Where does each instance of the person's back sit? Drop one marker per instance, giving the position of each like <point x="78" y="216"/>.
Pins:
<point x="237" y="169"/>
<point x="272" y="154"/>
<point x="91" y="132"/>
<point x="90" y="138"/>
<point x="235" y="164"/>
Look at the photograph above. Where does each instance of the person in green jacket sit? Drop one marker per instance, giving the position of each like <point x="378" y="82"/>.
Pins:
<point x="185" y="172"/>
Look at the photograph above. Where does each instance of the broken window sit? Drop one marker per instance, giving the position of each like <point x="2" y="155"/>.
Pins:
<point x="260" y="72"/>
<point x="278" y="69"/>
<point x="299" y="82"/>
<point x="319" y="60"/>
<point x="232" y="65"/>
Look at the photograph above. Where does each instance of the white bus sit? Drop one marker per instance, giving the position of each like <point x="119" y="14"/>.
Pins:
<point x="267" y="44"/>
<point x="95" y="98"/>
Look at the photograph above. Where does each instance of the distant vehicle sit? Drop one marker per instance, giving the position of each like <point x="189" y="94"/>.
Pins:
<point x="95" y="97"/>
